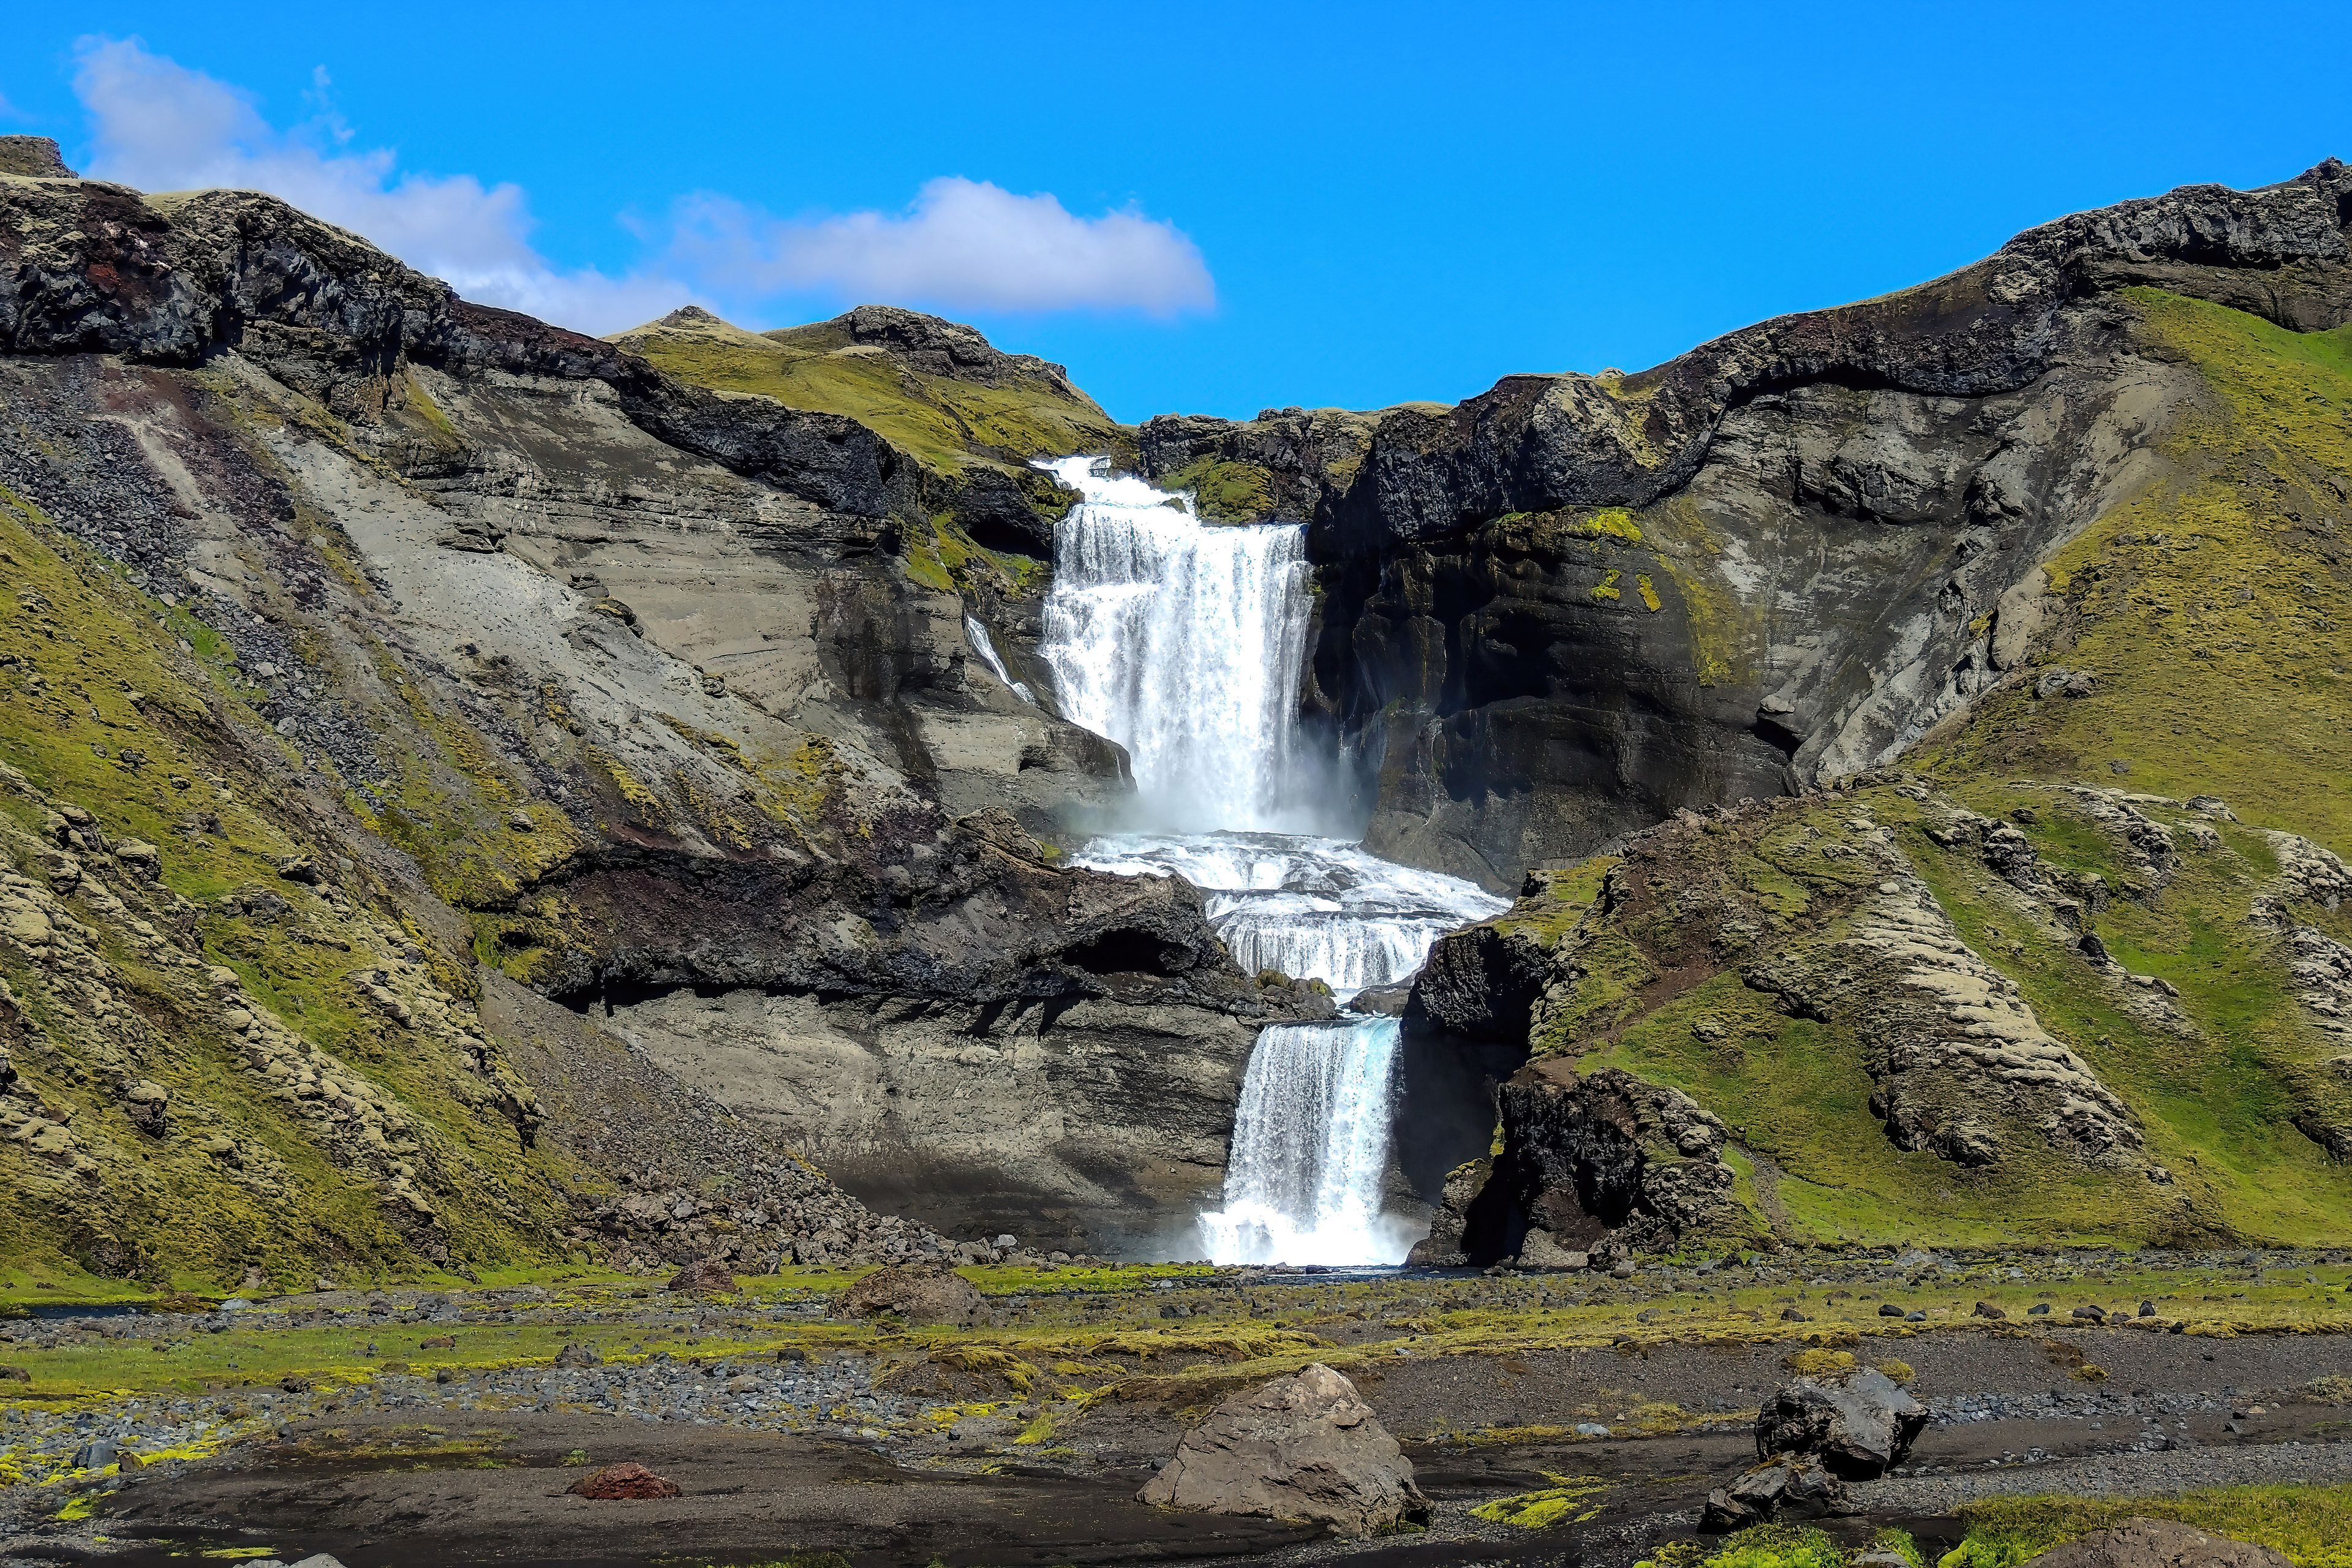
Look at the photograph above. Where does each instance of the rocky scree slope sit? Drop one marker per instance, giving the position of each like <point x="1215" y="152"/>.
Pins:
<point x="1558" y="611"/>
<point x="387" y="670"/>
<point x="2081" y="968"/>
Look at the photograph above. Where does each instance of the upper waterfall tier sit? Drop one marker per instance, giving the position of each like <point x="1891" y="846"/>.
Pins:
<point x="1183" y="641"/>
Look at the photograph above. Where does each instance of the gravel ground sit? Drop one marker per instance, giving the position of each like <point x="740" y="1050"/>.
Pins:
<point x="2139" y="1474"/>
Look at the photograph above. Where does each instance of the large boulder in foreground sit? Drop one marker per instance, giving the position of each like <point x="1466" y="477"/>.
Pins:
<point x="1305" y="1447"/>
<point x="1859" y="1426"/>
<point x="918" y="1293"/>
<point x="2158" y="1544"/>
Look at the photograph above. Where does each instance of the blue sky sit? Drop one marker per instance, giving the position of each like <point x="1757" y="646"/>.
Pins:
<point x="1210" y="209"/>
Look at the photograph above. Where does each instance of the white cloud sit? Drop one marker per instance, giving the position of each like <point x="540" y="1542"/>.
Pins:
<point x="158" y="126"/>
<point x="962" y="244"/>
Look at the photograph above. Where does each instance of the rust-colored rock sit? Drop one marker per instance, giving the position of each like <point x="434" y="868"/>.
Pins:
<point x="705" y="1277"/>
<point x="623" y="1483"/>
<point x="918" y="1293"/>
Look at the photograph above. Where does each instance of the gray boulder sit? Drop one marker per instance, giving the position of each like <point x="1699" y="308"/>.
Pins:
<point x="1303" y="1448"/>
<point x="1858" y="1427"/>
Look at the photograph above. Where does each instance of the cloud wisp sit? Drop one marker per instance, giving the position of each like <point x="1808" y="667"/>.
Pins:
<point x="963" y="245"/>
<point x="158" y="126"/>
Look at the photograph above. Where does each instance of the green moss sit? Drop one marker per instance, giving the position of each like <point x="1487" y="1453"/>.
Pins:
<point x="2312" y="1526"/>
<point x="1225" y="491"/>
<point x="1568" y="1501"/>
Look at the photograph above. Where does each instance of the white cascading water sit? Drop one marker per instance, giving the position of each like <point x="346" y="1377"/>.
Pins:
<point x="1184" y="642"/>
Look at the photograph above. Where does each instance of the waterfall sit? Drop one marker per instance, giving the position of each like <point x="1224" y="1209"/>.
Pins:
<point x="1310" y="1146"/>
<point x="1185" y="642"/>
<point x="1182" y="641"/>
<point x="977" y="635"/>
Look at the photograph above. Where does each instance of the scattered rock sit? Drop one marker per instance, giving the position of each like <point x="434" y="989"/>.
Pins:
<point x="1304" y="1447"/>
<point x="578" y="1355"/>
<point x="2156" y="1543"/>
<point x="623" y="1483"/>
<point x="918" y="1292"/>
<point x="1791" y="1487"/>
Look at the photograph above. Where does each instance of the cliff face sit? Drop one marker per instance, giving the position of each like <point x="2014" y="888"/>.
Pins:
<point x="2078" y="967"/>
<point x="408" y="647"/>
<point x="1560" y="610"/>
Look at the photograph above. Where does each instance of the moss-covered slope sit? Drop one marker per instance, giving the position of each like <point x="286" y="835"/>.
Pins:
<point x="2078" y="970"/>
<point x="972" y="416"/>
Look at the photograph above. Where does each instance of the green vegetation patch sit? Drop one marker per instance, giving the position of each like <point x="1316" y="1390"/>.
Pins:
<point x="2312" y="1526"/>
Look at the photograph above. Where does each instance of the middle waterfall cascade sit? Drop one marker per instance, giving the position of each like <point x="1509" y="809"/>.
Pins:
<point x="1185" y="642"/>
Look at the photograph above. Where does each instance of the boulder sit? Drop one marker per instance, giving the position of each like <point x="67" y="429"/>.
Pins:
<point x="1794" y="1485"/>
<point x="918" y="1292"/>
<point x="706" y="1276"/>
<point x="1538" y="1250"/>
<point x="1858" y="1427"/>
<point x="1305" y="1447"/>
<point x="2156" y="1543"/>
<point x="623" y="1483"/>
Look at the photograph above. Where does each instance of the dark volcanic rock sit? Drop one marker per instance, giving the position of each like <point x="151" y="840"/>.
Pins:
<point x="1859" y="1426"/>
<point x="623" y="1483"/>
<point x="706" y="1275"/>
<point x="1602" y="1162"/>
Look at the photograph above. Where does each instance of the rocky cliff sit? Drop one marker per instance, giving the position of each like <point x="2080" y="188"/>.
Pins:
<point x="1560" y="610"/>
<point x="397" y="680"/>
<point x="2075" y="968"/>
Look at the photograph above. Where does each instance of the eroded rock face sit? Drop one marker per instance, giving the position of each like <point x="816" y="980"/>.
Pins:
<point x="1298" y="1447"/>
<point x="616" y="685"/>
<point x="1960" y="1053"/>
<point x="1600" y="1162"/>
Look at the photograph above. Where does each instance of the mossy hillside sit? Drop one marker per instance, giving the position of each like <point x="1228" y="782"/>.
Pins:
<point x="2211" y="610"/>
<point x="2311" y="1526"/>
<point x="949" y="425"/>
<point x="1660" y="988"/>
<point x="2223" y="1103"/>
<point x="115" y="717"/>
<point x="1223" y="490"/>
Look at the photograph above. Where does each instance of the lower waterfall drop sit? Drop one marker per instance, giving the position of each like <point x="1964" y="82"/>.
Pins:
<point x="1185" y="642"/>
<point x="1310" y="1148"/>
